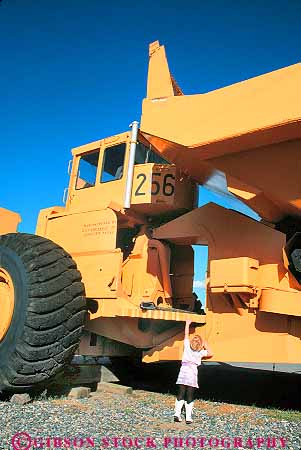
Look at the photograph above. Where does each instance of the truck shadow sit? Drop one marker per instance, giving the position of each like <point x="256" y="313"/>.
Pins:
<point x="228" y="384"/>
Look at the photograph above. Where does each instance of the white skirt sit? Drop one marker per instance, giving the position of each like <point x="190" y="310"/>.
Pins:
<point x="188" y="375"/>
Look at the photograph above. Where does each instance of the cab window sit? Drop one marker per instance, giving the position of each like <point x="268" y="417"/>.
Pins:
<point x="113" y="161"/>
<point x="147" y="155"/>
<point x="87" y="170"/>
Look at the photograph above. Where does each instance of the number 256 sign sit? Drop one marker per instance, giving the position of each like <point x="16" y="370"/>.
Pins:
<point x="162" y="184"/>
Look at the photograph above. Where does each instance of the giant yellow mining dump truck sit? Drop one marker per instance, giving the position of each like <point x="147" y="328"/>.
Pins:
<point x="111" y="272"/>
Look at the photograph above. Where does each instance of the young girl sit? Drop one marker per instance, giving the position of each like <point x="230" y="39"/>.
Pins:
<point x="194" y="351"/>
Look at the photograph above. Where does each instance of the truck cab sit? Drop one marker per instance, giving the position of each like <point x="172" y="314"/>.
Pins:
<point x="100" y="173"/>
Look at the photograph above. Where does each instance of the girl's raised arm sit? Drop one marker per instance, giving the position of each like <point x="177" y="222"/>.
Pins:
<point x="187" y="324"/>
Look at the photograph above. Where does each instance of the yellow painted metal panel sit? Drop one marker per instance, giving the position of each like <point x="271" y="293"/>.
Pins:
<point x="9" y="221"/>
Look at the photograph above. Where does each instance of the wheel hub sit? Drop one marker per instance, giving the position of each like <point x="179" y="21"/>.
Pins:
<point x="7" y="302"/>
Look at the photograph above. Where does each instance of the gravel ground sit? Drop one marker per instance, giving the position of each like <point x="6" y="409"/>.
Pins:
<point x="105" y="416"/>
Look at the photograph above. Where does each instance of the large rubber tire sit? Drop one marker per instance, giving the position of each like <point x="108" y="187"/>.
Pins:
<point x="49" y="311"/>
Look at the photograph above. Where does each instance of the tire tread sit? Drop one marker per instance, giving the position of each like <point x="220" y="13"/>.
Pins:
<point x="55" y="314"/>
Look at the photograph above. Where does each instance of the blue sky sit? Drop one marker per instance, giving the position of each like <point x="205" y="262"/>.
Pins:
<point x="74" y="71"/>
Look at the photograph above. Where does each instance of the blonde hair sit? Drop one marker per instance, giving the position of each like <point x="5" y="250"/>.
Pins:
<point x="196" y="343"/>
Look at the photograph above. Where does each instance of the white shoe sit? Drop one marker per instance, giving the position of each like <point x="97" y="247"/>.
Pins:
<point x="178" y="408"/>
<point x="188" y="412"/>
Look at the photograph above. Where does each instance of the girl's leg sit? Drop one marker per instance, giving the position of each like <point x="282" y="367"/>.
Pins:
<point x="190" y="392"/>
<point x="179" y="403"/>
<point x="181" y="392"/>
